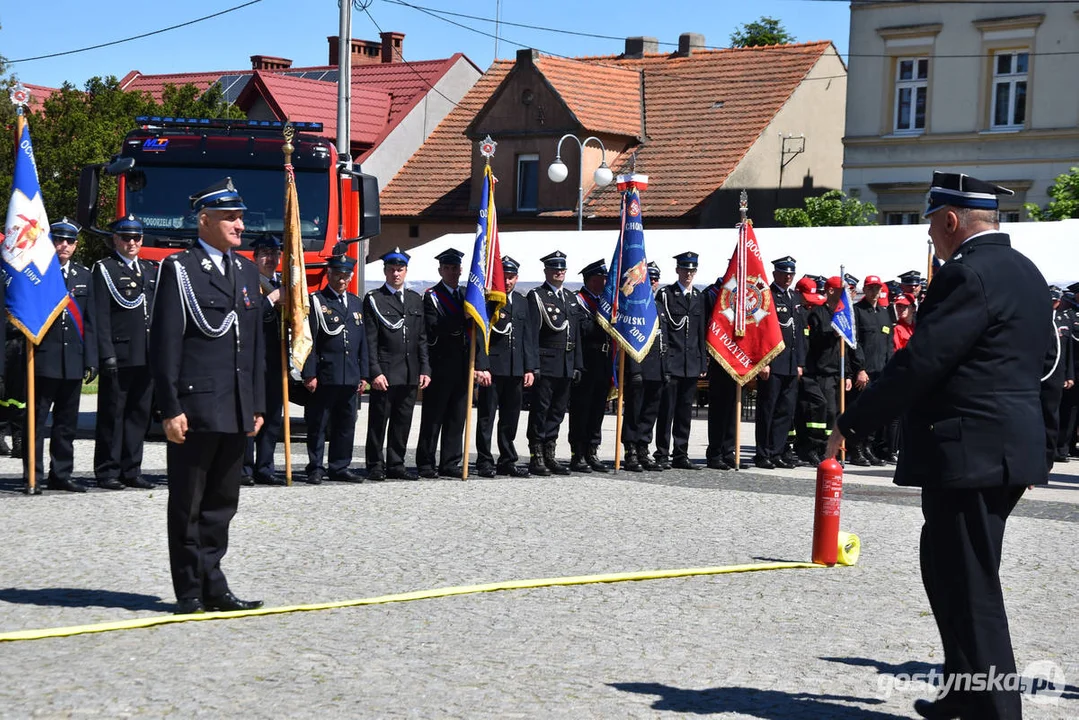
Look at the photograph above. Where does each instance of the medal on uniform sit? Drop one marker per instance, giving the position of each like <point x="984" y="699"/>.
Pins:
<point x="206" y="264"/>
<point x="247" y="300"/>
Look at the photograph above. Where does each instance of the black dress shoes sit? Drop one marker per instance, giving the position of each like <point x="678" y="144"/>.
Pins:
<point x="945" y="708"/>
<point x="451" y="472"/>
<point x="314" y="477"/>
<point x="376" y="475"/>
<point x="681" y="463"/>
<point x="189" y="606"/>
<point x="487" y="471"/>
<point x="247" y="481"/>
<point x="66" y="484"/>
<point x="764" y="463"/>
<point x="401" y="474"/>
<point x="27" y="491"/>
<point x="428" y="473"/>
<point x="269" y="480"/>
<point x="785" y="462"/>
<point x="229" y="603"/>
<point x="349" y="476"/>
<point x="729" y="462"/>
<point x="139" y="482"/>
<point x="110" y="484"/>
<point x="513" y="471"/>
<point x="718" y="464"/>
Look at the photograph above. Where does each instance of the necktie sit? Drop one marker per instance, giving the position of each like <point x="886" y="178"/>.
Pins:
<point x="400" y="296"/>
<point x="225" y="265"/>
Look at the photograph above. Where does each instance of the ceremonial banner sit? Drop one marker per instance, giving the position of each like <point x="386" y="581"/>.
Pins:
<point x="297" y="303"/>
<point x="36" y="293"/>
<point x="627" y="308"/>
<point x="843" y="319"/>
<point x="743" y="332"/>
<point x="485" y="281"/>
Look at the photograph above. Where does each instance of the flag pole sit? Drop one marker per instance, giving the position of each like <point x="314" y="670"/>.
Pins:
<point x="743" y="210"/>
<point x="618" y="416"/>
<point x="737" y="427"/>
<point x="286" y="426"/>
<point x="30" y="441"/>
<point x="468" y="412"/>
<point x="842" y="370"/>
<point x="929" y="261"/>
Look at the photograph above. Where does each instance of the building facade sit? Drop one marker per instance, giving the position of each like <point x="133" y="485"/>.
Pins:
<point x="982" y="88"/>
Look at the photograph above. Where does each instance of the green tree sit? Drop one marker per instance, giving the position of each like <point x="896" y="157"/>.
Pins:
<point x="1064" y="203"/>
<point x="831" y="209"/>
<point x="765" y="31"/>
<point x="189" y="101"/>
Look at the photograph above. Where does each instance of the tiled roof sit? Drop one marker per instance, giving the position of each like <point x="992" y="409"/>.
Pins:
<point x="605" y="99"/>
<point x="316" y="101"/>
<point x="703" y="113"/>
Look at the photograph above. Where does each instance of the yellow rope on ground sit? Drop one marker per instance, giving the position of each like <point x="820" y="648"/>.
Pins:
<point x="138" y="623"/>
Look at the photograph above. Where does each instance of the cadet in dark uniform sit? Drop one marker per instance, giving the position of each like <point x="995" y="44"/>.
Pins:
<point x="444" y="402"/>
<point x="65" y="357"/>
<point x="1064" y="320"/>
<point x="821" y="381"/>
<point x="508" y="362"/>
<point x="1069" y="408"/>
<point x="123" y="299"/>
<point x="722" y="399"/>
<point x="259" y="456"/>
<point x="397" y="355"/>
<point x="873" y="324"/>
<point x="208" y="364"/>
<point x="334" y="374"/>
<point x="646" y="382"/>
<point x="968" y="388"/>
<point x="588" y="401"/>
<point x="777" y="384"/>
<point x="679" y="305"/>
<point x="552" y="320"/>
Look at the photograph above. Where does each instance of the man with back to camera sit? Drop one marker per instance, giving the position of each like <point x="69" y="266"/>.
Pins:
<point x="967" y="386"/>
<point x="397" y="356"/>
<point x="209" y="364"/>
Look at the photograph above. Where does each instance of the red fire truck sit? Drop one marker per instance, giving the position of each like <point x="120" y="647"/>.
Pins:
<point x="166" y="159"/>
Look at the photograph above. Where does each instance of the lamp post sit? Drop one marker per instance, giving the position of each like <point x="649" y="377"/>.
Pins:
<point x="558" y="171"/>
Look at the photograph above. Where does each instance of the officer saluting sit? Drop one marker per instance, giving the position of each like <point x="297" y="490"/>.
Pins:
<point x="334" y="373"/>
<point x="123" y="298"/>
<point x="510" y="362"/>
<point x="208" y="364"/>
<point x="679" y="306"/>
<point x="397" y="356"/>
<point x="777" y="385"/>
<point x="552" y="318"/>
<point x="66" y="355"/>
<point x="444" y="402"/>
<point x="589" y="401"/>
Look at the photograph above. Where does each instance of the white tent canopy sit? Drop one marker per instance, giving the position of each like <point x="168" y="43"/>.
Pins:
<point x="886" y="251"/>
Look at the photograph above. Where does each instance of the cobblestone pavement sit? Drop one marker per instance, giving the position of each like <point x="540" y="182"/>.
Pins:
<point x="820" y="643"/>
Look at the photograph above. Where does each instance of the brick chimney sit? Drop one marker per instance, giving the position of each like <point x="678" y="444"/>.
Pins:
<point x="637" y="46"/>
<point x="688" y="42"/>
<point x="268" y="62"/>
<point x="391" y="46"/>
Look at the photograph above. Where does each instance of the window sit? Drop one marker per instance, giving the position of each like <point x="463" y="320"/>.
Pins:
<point x="911" y="88"/>
<point x="1010" y="90"/>
<point x="902" y="218"/>
<point x="528" y="182"/>
<point x="1010" y="216"/>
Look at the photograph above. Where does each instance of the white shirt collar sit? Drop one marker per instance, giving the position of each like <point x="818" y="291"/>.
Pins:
<point x="391" y="291"/>
<point x="685" y="290"/>
<point x="216" y="255"/>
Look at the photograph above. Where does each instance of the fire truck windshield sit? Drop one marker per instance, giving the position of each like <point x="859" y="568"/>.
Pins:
<point x="158" y="196"/>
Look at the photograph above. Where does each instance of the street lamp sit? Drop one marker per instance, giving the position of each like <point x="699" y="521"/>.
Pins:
<point x="558" y="171"/>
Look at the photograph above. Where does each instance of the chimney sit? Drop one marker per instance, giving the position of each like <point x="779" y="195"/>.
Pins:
<point x="268" y="62"/>
<point x="637" y="46"/>
<point x="364" y="52"/>
<point x="391" y="46"/>
<point x="688" y="42"/>
<point x="525" y="56"/>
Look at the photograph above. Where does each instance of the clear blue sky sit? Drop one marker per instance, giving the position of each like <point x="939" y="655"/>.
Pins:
<point x="297" y="29"/>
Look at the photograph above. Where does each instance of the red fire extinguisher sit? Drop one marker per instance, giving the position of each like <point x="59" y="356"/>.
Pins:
<point x="826" y="514"/>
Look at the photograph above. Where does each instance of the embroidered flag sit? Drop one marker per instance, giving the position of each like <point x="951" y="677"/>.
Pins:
<point x="485" y="281"/>
<point x="36" y="293"/>
<point x="627" y="308"/>
<point x="297" y="303"/>
<point x="843" y="319"/>
<point x="743" y="332"/>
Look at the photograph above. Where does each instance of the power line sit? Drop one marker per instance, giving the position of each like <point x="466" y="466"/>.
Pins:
<point x="137" y="37"/>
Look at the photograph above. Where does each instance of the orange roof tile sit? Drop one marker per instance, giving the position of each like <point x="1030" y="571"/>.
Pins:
<point x="605" y="99"/>
<point x="703" y="113"/>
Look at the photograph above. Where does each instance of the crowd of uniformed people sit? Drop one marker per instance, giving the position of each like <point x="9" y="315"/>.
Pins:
<point x="545" y="348"/>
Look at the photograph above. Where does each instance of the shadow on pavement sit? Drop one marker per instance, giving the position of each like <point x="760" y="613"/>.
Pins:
<point x="765" y="704"/>
<point x="81" y="597"/>
<point x="910" y="667"/>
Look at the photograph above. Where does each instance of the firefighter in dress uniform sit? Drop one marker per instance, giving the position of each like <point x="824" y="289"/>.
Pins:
<point x="873" y="323"/>
<point x="821" y="381"/>
<point x="588" y="402"/>
<point x="208" y="364"/>
<point x="1063" y="319"/>
<point x="123" y="303"/>
<point x="334" y="374"/>
<point x="777" y="384"/>
<point x="508" y="363"/>
<point x="552" y="319"/>
<point x="679" y="307"/>
<point x="397" y="356"/>
<point x="259" y="456"/>
<point x="66" y="356"/>
<point x="722" y="396"/>
<point x="646" y="382"/>
<point x="442" y="417"/>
